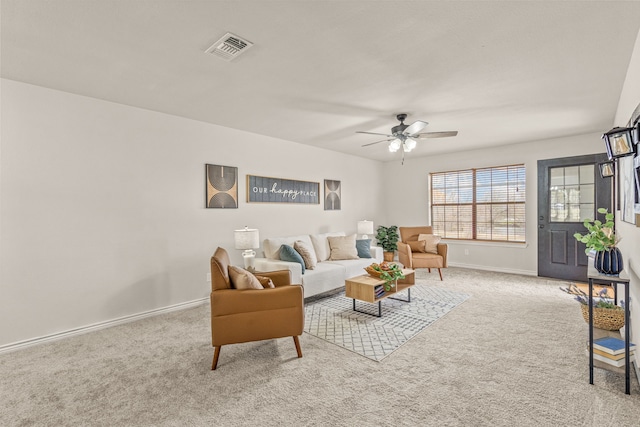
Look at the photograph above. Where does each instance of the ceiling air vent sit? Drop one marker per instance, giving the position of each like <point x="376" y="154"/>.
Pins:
<point x="230" y="46"/>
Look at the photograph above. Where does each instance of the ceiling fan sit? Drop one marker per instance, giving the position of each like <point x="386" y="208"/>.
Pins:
<point x="404" y="136"/>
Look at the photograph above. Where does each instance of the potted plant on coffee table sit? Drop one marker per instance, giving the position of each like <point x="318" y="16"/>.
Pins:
<point x="390" y="272"/>
<point x="601" y="238"/>
<point x="387" y="237"/>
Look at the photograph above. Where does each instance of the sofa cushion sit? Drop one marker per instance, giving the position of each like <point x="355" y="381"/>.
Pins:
<point x="417" y="245"/>
<point x="327" y="276"/>
<point x="352" y="267"/>
<point x="287" y="253"/>
<point x="343" y="247"/>
<point x="363" y="247"/>
<point x="271" y="246"/>
<point x="431" y="242"/>
<point x="321" y="244"/>
<point x="307" y="253"/>
<point x="266" y="282"/>
<point x="242" y="279"/>
<point x="434" y="260"/>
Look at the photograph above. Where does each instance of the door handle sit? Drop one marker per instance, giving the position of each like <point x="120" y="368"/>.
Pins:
<point x="541" y="226"/>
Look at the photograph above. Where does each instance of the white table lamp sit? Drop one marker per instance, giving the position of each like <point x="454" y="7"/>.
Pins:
<point x="365" y="228"/>
<point x="247" y="239"/>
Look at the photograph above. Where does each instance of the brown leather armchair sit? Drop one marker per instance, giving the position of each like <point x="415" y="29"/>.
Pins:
<point x="412" y="259"/>
<point x="244" y="315"/>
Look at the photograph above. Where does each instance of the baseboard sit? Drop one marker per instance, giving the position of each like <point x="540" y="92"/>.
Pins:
<point x="496" y="269"/>
<point x="101" y="325"/>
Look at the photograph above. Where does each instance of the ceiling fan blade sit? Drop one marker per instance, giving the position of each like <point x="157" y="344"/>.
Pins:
<point x="374" y="133"/>
<point x="377" y="142"/>
<point x="443" y="134"/>
<point x="415" y="127"/>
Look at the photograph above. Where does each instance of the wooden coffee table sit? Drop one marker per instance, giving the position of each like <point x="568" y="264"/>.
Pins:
<point x="366" y="288"/>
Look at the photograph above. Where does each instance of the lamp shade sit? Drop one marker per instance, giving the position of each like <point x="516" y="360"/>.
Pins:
<point x="607" y="169"/>
<point x="619" y="142"/>
<point x="365" y="227"/>
<point x="248" y="238"/>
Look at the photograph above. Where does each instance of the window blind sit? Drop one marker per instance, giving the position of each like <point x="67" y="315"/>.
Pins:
<point x="479" y="204"/>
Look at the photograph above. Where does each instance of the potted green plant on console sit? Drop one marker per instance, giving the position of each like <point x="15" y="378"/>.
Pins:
<point x="601" y="238"/>
<point x="387" y="238"/>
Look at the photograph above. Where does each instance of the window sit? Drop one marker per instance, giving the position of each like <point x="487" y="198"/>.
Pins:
<point x="479" y="204"/>
<point x="571" y="193"/>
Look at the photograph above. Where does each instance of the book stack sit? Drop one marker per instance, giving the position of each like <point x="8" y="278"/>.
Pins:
<point x="611" y="350"/>
<point x="379" y="291"/>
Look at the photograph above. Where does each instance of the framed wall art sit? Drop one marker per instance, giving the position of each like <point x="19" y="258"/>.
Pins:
<point x="221" y="187"/>
<point x="626" y="189"/>
<point x="332" y="195"/>
<point x="263" y="189"/>
<point x="636" y="166"/>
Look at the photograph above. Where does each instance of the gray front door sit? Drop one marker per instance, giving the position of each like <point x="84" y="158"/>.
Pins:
<point x="570" y="190"/>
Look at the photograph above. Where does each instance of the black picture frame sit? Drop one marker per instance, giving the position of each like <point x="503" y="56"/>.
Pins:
<point x="221" y="187"/>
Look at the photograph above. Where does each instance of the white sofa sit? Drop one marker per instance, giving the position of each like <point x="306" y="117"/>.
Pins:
<point x="327" y="275"/>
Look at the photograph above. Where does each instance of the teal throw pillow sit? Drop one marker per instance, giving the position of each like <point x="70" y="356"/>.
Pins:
<point x="287" y="253"/>
<point x="364" y="248"/>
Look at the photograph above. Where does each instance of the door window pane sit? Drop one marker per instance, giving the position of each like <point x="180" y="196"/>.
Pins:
<point x="571" y="193"/>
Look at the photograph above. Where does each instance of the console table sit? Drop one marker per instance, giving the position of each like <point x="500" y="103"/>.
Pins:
<point x="602" y="279"/>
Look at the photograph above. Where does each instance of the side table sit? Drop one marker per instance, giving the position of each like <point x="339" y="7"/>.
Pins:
<point x="623" y="278"/>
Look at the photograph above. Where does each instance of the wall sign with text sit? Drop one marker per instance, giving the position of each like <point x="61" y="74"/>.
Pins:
<point x="262" y="189"/>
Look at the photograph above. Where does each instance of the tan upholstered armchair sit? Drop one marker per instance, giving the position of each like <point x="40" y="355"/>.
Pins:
<point x="243" y="315"/>
<point x="412" y="254"/>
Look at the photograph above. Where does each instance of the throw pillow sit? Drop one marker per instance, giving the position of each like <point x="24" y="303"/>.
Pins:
<point x="287" y="253"/>
<point x="417" y="245"/>
<point x="430" y="242"/>
<point x="321" y="244"/>
<point x="307" y="253"/>
<point x="266" y="282"/>
<point x="363" y="247"/>
<point x="242" y="279"/>
<point x="342" y="247"/>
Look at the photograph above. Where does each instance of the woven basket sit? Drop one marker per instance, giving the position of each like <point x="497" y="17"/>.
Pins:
<point x="372" y="272"/>
<point x="609" y="319"/>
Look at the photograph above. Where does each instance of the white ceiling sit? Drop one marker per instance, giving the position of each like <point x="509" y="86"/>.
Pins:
<point x="498" y="72"/>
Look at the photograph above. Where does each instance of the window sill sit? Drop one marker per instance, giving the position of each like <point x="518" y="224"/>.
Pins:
<point x="517" y="245"/>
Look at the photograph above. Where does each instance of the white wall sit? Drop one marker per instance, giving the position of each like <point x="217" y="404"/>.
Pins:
<point x="102" y="206"/>
<point x="630" y="243"/>
<point x="407" y="186"/>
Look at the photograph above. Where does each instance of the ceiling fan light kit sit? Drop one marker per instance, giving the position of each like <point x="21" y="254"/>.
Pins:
<point x="404" y="136"/>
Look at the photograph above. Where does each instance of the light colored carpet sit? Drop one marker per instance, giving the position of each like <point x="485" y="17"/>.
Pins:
<point x="511" y="355"/>
<point x="333" y="319"/>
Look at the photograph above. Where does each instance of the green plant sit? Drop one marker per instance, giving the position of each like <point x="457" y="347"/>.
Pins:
<point x="600" y="236"/>
<point x="387" y="237"/>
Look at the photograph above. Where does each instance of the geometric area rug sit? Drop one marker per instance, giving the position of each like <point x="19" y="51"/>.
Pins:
<point x="333" y="319"/>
